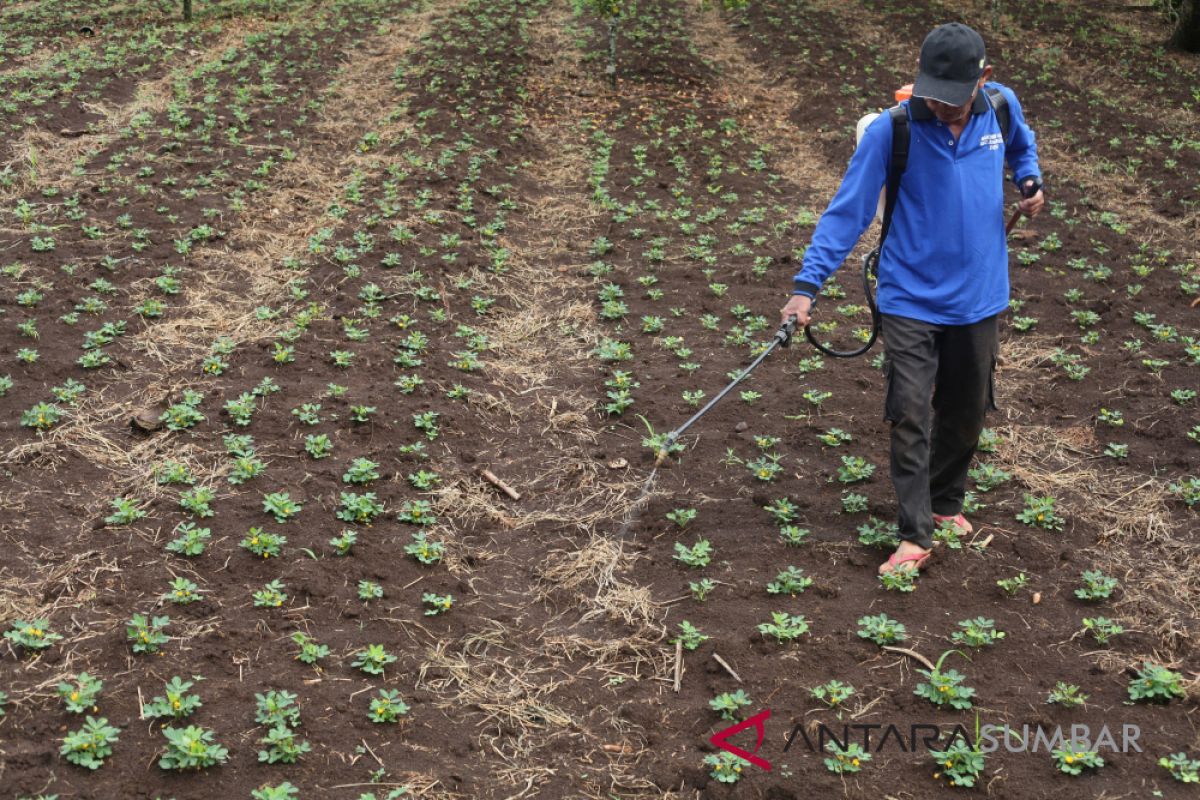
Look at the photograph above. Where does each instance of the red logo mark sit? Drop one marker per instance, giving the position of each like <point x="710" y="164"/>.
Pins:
<point x="720" y="738"/>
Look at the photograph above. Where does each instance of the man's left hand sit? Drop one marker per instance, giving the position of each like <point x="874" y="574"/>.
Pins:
<point x="1030" y="206"/>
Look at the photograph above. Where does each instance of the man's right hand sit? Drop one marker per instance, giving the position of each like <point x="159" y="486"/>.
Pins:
<point x="799" y="305"/>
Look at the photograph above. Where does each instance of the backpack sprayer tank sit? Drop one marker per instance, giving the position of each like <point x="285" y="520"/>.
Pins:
<point x="902" y="94"/>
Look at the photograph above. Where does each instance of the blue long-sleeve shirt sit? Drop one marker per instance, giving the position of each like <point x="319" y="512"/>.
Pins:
<point x="945" y="259"/>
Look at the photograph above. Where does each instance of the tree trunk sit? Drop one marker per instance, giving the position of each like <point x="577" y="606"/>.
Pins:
<point x="187" y="10"/>
<point x="1187" y="31"/>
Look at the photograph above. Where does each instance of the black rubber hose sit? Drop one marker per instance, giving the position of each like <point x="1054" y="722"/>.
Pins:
<point x="870" y="263"/>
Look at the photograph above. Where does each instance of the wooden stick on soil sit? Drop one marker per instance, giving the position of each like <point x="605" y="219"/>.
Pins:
<point x="678" y="663"/>
<point x="728" y="668"/>
<point x="913" y="654"/>
<point x="372" y="752"/>
<point x="491" y="478"/>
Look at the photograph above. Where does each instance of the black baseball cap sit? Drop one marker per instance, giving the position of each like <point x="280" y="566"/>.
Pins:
<point x="952" y="59"/>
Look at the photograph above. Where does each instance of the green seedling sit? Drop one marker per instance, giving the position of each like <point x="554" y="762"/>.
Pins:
<point x="436" y="603"/>
<point x="311" y="651"/>
<point x="690" y="636"/>
<point x="191" y="748"/>
<point x="881" y="629"/>
<point x="1074" y="760"/>
<point x="834" y="693"/>
<point x="729" y="704"/>
<point x="373" y="659"/>
<point x="91" y="744"/>
<point x="1156" y="683"/>
<point x="845" y="759"/>
<point x="1181" y="768"/>
<point x="945" y="687"/>
<point x="977" y="632"/>
<point x="81" y="695"/>
<point x="698" y="555"/>
<point x="784" y="627"/>
<point x="1066" y="694"/>
<point x="176" y="701"/>
<point x="726" y="767"/>
<point x="791" y="581"/>
<point x="31" y="635"/>
<point x="387" y="707"/>
<point x="146" y="634"/>
<point x="1096" y="586"/>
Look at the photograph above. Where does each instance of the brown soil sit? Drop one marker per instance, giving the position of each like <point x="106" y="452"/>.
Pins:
<point x="478" y="128"/>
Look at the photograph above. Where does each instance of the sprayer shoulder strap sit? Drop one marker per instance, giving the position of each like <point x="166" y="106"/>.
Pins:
<point x="899" y="160"/>
<point x="896" y="166"/>
<point x="1000" y="106"/>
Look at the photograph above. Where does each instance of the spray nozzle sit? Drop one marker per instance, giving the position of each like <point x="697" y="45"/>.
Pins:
<point x="664" y="452"/>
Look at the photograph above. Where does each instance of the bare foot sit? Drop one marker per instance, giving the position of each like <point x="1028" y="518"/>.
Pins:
<point x="907" y="556"/>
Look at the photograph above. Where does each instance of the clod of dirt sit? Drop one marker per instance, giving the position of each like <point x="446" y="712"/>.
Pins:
<point x="618" y="463"/>
<point x="741" y="426"/>
<point x="693" y="776"/>
<point x="147" y="420"/>
<point x="826" y="589"/>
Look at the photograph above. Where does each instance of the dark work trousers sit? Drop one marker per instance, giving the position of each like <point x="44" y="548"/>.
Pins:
<point x="939" y="385"/>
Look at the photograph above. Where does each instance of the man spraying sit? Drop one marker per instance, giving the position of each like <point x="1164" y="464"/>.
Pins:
<point x="943" y="270"/>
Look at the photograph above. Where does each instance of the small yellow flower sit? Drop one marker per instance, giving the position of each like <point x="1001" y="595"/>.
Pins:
<point x="855" y="762"/>
<point x="74" y="695"/>
<point x="949" y="763"/>
<point x="1069" y="759"/>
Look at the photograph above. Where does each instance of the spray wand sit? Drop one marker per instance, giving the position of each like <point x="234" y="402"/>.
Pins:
<point x="782" y="338"/>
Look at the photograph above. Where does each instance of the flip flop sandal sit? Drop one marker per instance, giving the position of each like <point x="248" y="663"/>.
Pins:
<point x="919" y="561"/>
<point x="958" y="520"/>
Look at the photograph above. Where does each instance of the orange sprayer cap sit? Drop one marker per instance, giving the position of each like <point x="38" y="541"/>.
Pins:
<point x="904" y="92"/>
